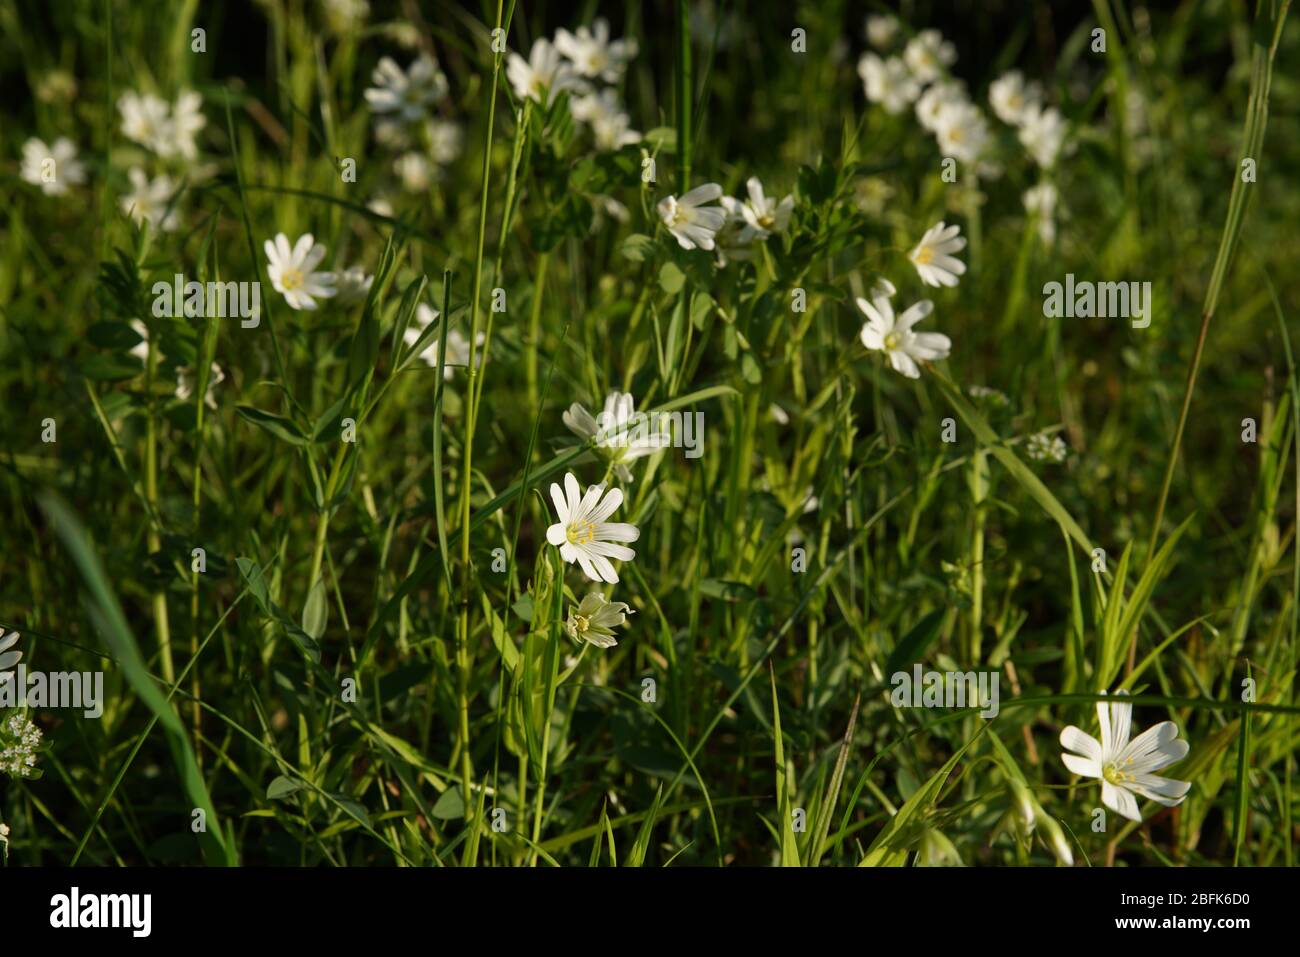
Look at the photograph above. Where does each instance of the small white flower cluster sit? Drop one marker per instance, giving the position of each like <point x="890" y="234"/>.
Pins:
<point x="1018" y="103"/>
<point x="169" y="131"/>
<point x="19" y="739"/>
<point x="733" y="226"/>
<point x="1046" y="447"/>
<point x="994" y="397"/>
<point x="402" y="102"/>
<point x="575" y="62"/>
<point x="919" y="75"/>
<point x="52" y="167"/>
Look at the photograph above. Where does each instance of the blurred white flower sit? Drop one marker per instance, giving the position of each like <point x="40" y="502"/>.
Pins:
<point x="582" y="533"/>
<point x="293" y="271"/>
<point x="1040" y="203"/>
<point x="1042" y="132"/>
<point x="592" y="53"/>
<point x="935" y="98"/>
<point x="416" y="171"/>
<point x="457" y="344"/>
<point x="141" y="349"/>
<point x="445" y="139"/>
<point x="8" y="658"/>
<point x="962" y="131"/>
<point x="603" y="112"/>
<point x="403" y="97"/>
<point x="543" y="76"/>
<point x="145" y="120"/>
<point x="1011" y="97"/>
<point x="353" y="285"/>
<point x="187" y="380"/>
<point x="150" y="200"/>
<point x="595" y="619"/>
<point x="894" y="336"/>
<point x="52" y="168"/>
<point x="882" y="30"/>
<point x="620" y="437"/>
<point x="761" y="214"/>
<point x="692" y="223"/>
<point x="928" y="54"/>
<point x="888" y="82"/>
<point x="1125" y="767"/>
<point x="933" y="257"/>
<point x="187" y="119"/>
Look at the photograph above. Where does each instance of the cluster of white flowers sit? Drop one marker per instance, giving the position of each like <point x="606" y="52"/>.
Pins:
<point x="169" y="131"/>
<point x="733" y="225"/>
<point x="402" y="102"/>
<point x="994" y="397"/>
<point x="19" y="739"/>
<point x="1046" y="447"/>
<point x="1041" y="128"/>
<point x="576" y="62"/>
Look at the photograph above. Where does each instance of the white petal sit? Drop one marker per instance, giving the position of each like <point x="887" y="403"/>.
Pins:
<point x="1120" y="801"/>
<point x="1073" y="739"/>
<point x="555" y="534"/>
<point x="1081" y="766"/>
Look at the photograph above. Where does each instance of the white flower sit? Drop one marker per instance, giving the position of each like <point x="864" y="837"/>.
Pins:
<point x="894" y="336"/>
<point x="610" y="126"/>
<point x="353" y="285"/>
<point x="457" y="344"/>
<point x="888" y="82"/>
<point x="543" y="75"/>
<point x="293" y="274"/>
<point x="882" y="31"/>
<point x="1040" y="203"/>
<point x="187" y="120"/>
<point x="583" y="535"/>
<point x="141" y="349"/>
<point x="405" y="97"/>
<point x="1010" y="97"/>
<point x="927" y="55"/>
<point x="1125" y="767"/>
<point x="416" y="171"/>
<point x="445" y="139"/>
<point x="186" y="380"/>
<point x="1046" y="447"/>
<point x="761" y="214"/>
<point x="52" y="168"/>
<point x="19" y="739"/>
<point x="592" y="53"/>
<point x="617" y="431"/>
<point x="595" y="619"/>
<point x="145" y="120"/>
<point x="1042" y="132"/>
<point x="150" y="200"/>
<point x="935" y="98"/>
<point x="8" y="658"/>
<point x="933" y="255"/>
<point x="962" y="131"/>
<point x="691" y="222"/>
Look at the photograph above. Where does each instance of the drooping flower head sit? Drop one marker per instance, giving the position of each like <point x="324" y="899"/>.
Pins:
<point x="595" y="619"/>
<point x="621" y="436"/>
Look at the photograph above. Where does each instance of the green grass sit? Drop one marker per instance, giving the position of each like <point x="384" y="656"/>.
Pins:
<point x="372" y="668"/>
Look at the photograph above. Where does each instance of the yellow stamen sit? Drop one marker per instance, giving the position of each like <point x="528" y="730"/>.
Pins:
<point x="924" y="256"/>
<point x="580" y="532"/>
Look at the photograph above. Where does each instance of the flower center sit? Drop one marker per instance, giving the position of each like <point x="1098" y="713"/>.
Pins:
<point x="891" y="341"/>
<point x="924" y="256"/>
<point x="291" y="278"/>
<point x="580" y="532"/>
<point x="767" y="220"/>
<point x="1114" y="775"/>
<point x="581" y="624"/>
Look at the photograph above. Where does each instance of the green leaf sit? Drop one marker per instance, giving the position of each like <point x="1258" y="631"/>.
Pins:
<point x="914" y="643"/>
<point x="282" y="787"/>
<point x="315" y="611"/>
<point x="276" y="425"/>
